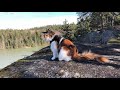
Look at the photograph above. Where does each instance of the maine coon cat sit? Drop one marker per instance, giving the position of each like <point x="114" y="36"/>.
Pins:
<point x="64" y="49"/>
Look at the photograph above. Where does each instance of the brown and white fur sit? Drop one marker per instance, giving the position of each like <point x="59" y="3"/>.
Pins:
<point x="64" y="49"/>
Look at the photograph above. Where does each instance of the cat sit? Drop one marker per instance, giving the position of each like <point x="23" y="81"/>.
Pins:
<point x="64" y="49"/>
<point x="49" y="36"/>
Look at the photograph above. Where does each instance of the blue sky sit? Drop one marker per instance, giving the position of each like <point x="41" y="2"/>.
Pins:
<point x="25" y="20"/>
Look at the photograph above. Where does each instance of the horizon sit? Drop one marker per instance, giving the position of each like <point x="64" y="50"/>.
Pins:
<point x="27" y="20"/>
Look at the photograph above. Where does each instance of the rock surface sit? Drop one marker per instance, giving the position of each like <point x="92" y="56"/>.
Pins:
<point x="39" y="65"/>
<point x="101" y="37"/>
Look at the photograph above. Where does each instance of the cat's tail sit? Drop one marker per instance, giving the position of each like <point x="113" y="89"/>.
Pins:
<point x="88" y="55"/>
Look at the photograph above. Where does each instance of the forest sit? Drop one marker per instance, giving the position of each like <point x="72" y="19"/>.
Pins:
<point x="86" y="22"/>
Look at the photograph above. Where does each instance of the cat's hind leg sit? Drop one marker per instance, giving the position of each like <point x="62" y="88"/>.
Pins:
<point x="63" y="54"/>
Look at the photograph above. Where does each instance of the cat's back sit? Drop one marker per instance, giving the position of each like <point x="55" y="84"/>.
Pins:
<point x="67" y="42"/>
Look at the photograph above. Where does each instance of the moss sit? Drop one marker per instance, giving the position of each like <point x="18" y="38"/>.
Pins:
<point x="113" y="40"/>
<point x="23" y="60"/>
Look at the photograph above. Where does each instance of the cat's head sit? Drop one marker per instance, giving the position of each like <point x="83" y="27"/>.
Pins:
<point x="48" y="35"/>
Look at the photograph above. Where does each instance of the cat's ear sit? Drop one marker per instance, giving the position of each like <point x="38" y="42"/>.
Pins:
<point x="46" y="31"/>
<point x="43" y="32"/>
<point x="50" y="32"/>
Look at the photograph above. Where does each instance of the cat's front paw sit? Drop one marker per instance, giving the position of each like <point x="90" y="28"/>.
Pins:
<point x="53" y="58"/>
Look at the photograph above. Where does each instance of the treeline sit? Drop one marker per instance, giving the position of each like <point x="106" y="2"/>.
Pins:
<point x="67" y="29"/>
<point x="52" y="27"/>
<point x="13" y="38"/>
<point x="87" y="22"/>
<point x="19" y="38"/>
<point x="93" y="21"/>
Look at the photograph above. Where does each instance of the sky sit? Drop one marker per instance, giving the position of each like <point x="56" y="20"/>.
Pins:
<point x="26" y="20"/>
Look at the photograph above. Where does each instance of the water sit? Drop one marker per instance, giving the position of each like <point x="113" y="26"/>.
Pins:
<point x="9" y="56"/>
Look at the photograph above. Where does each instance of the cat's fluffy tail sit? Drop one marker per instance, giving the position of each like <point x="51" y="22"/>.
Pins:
<point x="88" y="55"/>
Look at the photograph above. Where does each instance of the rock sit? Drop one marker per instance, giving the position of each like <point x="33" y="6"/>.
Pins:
<point x="77" y="75"/>
<point x="110" y="67"/>
<point x="106" y="36"/>
<point x="66" y="74"/>
<point x="61" y="72"/>
<point x="100" y="37"/>
<point x="39" y="65"/>
<point x="115" y="49"/>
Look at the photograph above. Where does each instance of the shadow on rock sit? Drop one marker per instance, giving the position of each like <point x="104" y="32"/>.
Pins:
<point x="46" y="54"/>
<point x="98" y="64"/>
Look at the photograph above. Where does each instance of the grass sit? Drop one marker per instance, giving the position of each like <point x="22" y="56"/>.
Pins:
<point x="113" y="40"/>
<point x="23" y="60"/>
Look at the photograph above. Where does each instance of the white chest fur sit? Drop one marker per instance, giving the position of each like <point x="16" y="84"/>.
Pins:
<point x="54" y="49"/>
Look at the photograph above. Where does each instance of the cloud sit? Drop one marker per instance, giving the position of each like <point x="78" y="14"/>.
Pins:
<point x="7" y="13"/>
<point x="25" y="23"/>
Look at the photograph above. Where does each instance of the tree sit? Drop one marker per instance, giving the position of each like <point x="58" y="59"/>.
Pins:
<point x="68" y="29"/>
<point x="98" y="20"/>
